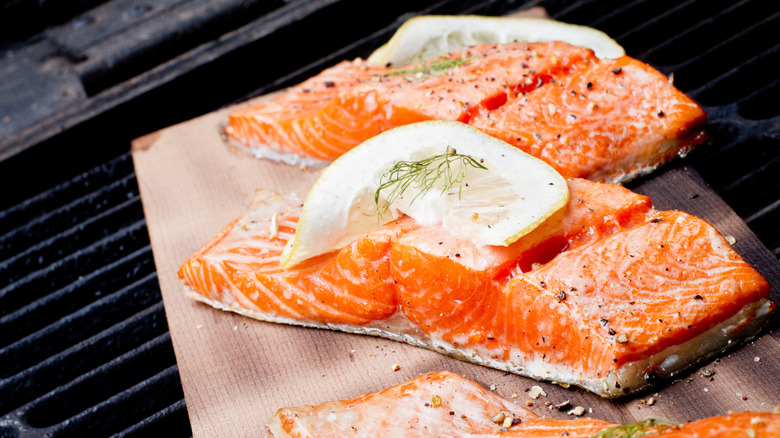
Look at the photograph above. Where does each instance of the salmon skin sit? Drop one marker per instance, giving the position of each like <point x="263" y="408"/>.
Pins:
<point x="443" y="404"/>
<point x="608" y="294"/>
<point x="603" y="120"/>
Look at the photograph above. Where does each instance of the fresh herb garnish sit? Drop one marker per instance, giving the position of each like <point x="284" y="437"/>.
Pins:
<point x="436" y="66"/>
<point x="423" y="174"/>
<point x="647" y="427"/>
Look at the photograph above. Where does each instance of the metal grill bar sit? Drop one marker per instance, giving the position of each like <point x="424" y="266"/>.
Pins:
<point x="33" y="382"/>
<point x="709" y="32"/>
<point x="68" y="269"/>
<point x="739" y="82"/>
<point x="70" y="241"/>
<point x="58" y="304"/>
<point x="52" y="198"/>
<point x="171" y="420"/>
<point x="666" y="23"/>
<point x="127" y="407"/>
<point x="747" y="201"/>
<point x="78" y="325"/>
<point x="581" y="12"/>
<point x="698" y="72"/>
<point x="76" y="396"/>
<point x="762" y="104"/>
<point x="735" y="153"/>
<point x="636" y="36"/>
<point x="73" y="217"/>
<point x="765" y="221"/>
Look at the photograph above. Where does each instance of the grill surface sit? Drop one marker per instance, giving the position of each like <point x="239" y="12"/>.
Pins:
<point x="84" y="345"/>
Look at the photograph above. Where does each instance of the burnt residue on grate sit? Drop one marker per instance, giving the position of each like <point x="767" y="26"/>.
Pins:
<point x="84" y="345"/>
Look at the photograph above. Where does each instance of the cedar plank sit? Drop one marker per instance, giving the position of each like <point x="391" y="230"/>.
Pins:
<point x="236" y="372"/>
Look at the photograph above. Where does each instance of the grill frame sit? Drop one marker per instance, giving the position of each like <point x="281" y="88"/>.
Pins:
<point x="64" y="220"/>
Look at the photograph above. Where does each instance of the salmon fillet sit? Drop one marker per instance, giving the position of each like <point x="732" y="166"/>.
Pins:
<point x="443" y="404"/>
<point x="608" y="294"/>
<point x="604" y="120"/>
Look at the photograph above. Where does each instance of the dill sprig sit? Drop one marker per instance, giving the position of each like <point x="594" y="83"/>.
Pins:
<point x="648" y="427"/>
<point x="436" y="66"/>
<point x="422" y="175"/>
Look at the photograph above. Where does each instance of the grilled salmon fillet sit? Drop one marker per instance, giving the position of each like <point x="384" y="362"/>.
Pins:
<point x="608" y="294"/>
<point x="604" y="120"/>
<point x="443" y="404"/>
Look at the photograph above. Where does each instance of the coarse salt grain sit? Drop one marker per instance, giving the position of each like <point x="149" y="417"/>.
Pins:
<point x="757" y="421"/>
<point x="536" y="391"/>
<point x="507" y="422"/>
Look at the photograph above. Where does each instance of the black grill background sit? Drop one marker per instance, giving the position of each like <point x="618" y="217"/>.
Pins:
<point x="84" y="345"/>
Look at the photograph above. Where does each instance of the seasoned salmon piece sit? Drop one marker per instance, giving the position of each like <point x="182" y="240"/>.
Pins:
<point x="239" y="270"/>
<point x="608" y="294"/>
<point x="604" y="120"/>
<point x="403" y="410"/>
<point x="443" y="404"/>
<point x="610" y="298"/>
<point x="758" y="424"/>
<point x="329" y="105"/>
<point x="611" y="121"/>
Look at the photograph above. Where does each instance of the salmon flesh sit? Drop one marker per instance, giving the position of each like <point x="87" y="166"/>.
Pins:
<point x="603" y="120"/>
<point x="443" y="404"/>
<point x="608" y="294"/>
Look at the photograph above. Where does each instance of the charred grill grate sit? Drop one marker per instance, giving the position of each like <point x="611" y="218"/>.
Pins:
<point x="84" y="345"/>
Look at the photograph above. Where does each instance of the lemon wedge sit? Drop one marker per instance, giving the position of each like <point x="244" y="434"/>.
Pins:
<point x="503" y="197"/>
<point x="429" y="36"/>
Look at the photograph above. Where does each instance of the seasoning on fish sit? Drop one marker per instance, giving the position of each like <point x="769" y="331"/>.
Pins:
<point x="468" y="410"/>
<point x="555" y="101"/>
<point x="644" y="298"/>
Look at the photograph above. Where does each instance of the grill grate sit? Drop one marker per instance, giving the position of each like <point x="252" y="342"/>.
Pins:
<point x="84" y="345"/>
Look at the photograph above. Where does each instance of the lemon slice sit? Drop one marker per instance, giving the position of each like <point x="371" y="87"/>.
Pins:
<point x="429" y="36"/>
<point x="493" y="206"/>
